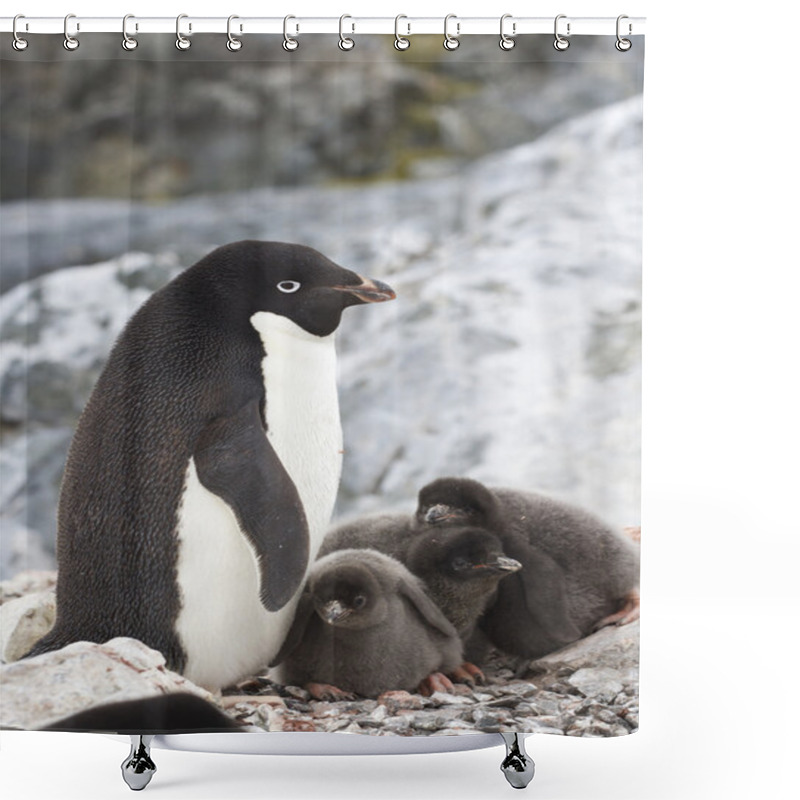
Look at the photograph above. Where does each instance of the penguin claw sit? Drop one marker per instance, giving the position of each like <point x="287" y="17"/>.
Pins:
<point x="325" y="691"/>
<point x="467" y="673"/>
<point x="627" y="614"/>
<point x="476" y="672"/>
<point x="436" y="682"/>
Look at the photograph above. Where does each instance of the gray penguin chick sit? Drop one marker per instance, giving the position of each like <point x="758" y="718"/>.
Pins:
<point x="365" y="625"/>
<point x="386" y="533"/>
<point x="577" y="573"/>
<point x="461" y="568"/>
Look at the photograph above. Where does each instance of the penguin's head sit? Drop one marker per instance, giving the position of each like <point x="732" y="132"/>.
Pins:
<point x="348" y="595"/>
<point x="456" y="501"/>
<point x="291" y="281"/>
<point x="460" y="554"/>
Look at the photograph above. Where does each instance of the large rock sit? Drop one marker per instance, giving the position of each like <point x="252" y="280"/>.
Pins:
<point x="512" y="354"/>
<point x="42" y="690"/>
<point x="23" y="622"/>
<point x="307" y="118"/>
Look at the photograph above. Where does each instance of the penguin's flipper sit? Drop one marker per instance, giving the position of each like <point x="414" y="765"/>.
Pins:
<point x="425" y="607"/>
<point x="235" y="461"/>
<point x="304" y="612"/>
<point x="545" y="589"/>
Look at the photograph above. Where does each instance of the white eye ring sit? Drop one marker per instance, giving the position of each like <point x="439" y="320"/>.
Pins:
<point x="288" y="286"/>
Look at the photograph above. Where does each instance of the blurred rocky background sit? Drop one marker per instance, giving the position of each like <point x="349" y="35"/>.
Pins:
<point x="498" y="193"/>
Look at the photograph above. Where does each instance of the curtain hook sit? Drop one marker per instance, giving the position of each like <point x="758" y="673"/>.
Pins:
<point x="621" y="44"/>
<point x="507" y="42"/>
<point x="451" y="42"/>
<point x="289" y="44"/>
<point x="70" y="42"/>
<point x="181" y="42"/>
<point x="233" y="44"/>
<point x="128" y="42"/>
<point x="345" y="42"/>
<point x="561" y="43"/>
<point x="19" y="43"/>
<point x="401" y="42"/>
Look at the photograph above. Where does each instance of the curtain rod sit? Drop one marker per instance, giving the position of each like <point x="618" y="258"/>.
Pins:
<point x="348" y="25"/>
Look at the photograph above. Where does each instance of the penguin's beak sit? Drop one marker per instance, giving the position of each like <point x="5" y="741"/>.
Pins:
<point x="334" y="611"/>
<point x="369" y="291"/>
<point x="502" y="564"/>
<point x="441" y="513"/>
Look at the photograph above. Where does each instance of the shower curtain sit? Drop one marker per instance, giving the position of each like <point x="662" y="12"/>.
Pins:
<point x="476" y="215"/>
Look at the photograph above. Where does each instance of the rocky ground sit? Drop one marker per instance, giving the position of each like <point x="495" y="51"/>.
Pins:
<point x="587" y="689"/>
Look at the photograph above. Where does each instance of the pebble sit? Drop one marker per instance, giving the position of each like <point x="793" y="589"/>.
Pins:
<point x="520" y="689"/>
<point x="442" y="699"/>
<point x="602" y="684"/>
<point x="396" y="724"/>
<point x="400" y="699"/>
<point x="297" y="692"/>
<point x="505" y="702"/>
<point x="487" y="721"/>
<point x="428" y="722"/>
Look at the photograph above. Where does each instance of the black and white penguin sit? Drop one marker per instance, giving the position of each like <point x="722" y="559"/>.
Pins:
<point x="577" y="573"/>
<point x="365" y="625"/>
<point x="204" y="469"/>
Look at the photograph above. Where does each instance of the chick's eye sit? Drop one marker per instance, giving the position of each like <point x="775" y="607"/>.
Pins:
<point x="288" y="286"/>
<point x="359" y="601"/>
<point x="460" y="563"/>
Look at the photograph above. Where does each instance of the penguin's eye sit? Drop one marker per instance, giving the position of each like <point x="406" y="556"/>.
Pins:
<point x="359" y="601"/>
<point x="288" y="287"/>
<point x="459" y="564"/>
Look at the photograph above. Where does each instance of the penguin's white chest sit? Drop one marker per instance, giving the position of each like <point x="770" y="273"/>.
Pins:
<point x="225" y="630"/>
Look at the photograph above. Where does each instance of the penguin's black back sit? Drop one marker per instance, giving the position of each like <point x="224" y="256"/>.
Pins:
<point x="187" y="356"/>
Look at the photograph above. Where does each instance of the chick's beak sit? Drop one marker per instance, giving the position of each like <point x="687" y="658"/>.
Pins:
<point x="334" y="611"/>
<point x="503" y="564"/>
<point x="369" y="291"/>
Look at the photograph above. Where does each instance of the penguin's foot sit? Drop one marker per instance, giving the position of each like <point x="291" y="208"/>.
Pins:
<point x="324" y="691"/>
<point x="634" y="533"/>
<point x="628" y="613"/>
<point x="467" y="673"/>
<point x="436" y="682"/>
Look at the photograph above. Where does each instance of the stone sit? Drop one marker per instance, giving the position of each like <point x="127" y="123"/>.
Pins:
<point x="428" y="722"/>
<point x="27" y="582"/>
<point x="297" y="692"/>
<point x="505" y="702"/>
<point x="395" y="700"/>
<point x="42" y="690"/>
<point x="24" y="621"/>
<point x="396" y="724"/>
<point x="299" y="724"/>
<point x="519" y="689"/>
<point x="602" y="683"/>
<point x="442" y="699"/>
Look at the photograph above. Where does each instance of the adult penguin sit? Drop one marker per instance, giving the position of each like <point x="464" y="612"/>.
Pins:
<point x="577" y="573"/>
<point x="205" y="466"/>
